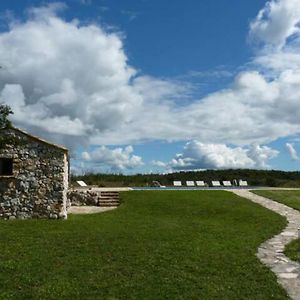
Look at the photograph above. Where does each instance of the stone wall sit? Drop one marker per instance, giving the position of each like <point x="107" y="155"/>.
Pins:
<point x="82" y="197"/>
<point x="39" y="183"/>
<point x="93" y="197"/>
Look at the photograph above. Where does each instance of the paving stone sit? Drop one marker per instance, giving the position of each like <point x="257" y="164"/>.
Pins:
<point x="288" y="275"/>
<point x="291" y="269"/>
<point x="289" y="233"/>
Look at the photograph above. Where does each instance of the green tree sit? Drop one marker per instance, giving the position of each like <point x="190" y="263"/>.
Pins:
<point x="5" y="111"/>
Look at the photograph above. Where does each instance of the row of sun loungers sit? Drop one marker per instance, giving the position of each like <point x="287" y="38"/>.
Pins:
<point x="191" y="183"/>
<point x="214" y="183"/>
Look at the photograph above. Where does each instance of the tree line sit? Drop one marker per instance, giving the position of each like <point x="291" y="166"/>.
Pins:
<point x="272" y="178"/>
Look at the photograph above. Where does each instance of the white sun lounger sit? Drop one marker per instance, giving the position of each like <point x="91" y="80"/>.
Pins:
<point x="215" y="183"/>
<point x="227" y="183"/>
<point x="177" y="183"/>
<point x="200" y="183"/>
<point x="81" y="183"/>
<point x="157" y="184"/>
<point x="190" y="183"/>
<point x="243" y="183"/>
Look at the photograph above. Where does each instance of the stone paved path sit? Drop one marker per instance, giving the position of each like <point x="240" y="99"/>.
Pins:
<point x="88" y="209"/>
<point x="271" y="252"/>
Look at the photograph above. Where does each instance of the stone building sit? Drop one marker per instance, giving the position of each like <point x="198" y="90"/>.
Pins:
<point x="33" y="177"/>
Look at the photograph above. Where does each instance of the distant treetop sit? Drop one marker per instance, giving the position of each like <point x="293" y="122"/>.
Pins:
<point x="5" y="111"/>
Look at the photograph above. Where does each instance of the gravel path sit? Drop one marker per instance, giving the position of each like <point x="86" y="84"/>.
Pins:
<point x="88" y="209"/>
<point x="271" y="252"/>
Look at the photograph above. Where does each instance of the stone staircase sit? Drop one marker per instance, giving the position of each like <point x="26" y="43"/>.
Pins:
<point x="109" y="198"/>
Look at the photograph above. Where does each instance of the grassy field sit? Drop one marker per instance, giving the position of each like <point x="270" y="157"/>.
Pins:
<point x="290" y="198"/>
<point x="156" y="245"/>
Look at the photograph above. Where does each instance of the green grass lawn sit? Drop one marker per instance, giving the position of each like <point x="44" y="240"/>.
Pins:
<point x="156" y="245"/>
<point x="290" y="198"/>
<point x="292" y="250"/>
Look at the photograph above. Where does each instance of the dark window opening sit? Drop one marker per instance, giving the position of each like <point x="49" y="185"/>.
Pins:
<point x="6" y="166"/>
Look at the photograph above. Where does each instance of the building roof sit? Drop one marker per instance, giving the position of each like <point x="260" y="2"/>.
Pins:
<point x="36" y="138"/>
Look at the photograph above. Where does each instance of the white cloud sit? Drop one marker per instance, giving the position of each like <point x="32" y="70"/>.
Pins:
<point x="260" y="155"/>
<point x="159" y="163"/>
<point x="72" y="82"/>
<point x="72" y="73"/>
<point x="197" y="155"/>
<point x="276" y="22"/>
<point x="38" y="114"/>
<point x="292" y="151"/>
<point x="119" y="159"/>
<point x="75" y="77"/>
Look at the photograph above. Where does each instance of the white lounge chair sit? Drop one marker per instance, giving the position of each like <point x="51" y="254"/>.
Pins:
<point x="177" y="183"/>
<point x="190" y="183"/>
<point x="200" y="183"/>
<point x="243" y="183"/>
<point x="215" y="183"/>
<point x="81" y="183"/>
<point x="227" y="183"/>
<point x="157" y="184"/>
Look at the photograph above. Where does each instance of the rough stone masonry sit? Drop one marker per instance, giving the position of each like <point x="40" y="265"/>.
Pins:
<point x="33" y="177"/>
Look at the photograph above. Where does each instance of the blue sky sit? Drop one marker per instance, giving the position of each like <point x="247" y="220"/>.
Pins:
<point x="159" y="34"/>
<point x="149" y="86"/>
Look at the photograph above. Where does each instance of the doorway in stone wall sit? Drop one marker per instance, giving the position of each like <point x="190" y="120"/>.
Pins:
<point x="6" y="166"/>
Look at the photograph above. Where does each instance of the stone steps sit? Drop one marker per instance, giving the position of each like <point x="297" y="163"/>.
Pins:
<point x="109" y="198"/>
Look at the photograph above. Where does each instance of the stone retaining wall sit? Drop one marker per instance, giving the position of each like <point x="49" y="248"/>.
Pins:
<point x="82" y="197"/>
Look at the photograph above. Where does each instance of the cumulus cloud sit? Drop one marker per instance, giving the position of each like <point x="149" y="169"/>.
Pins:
<point x="118" y="159"/>
<point x="72" y="82"/>
<point x="276" y="22"/>
<point x="63" y="74"/>
<point x="278" y="27"/>
<point x="292" y="151"/>
<point x="197" y="155"/>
